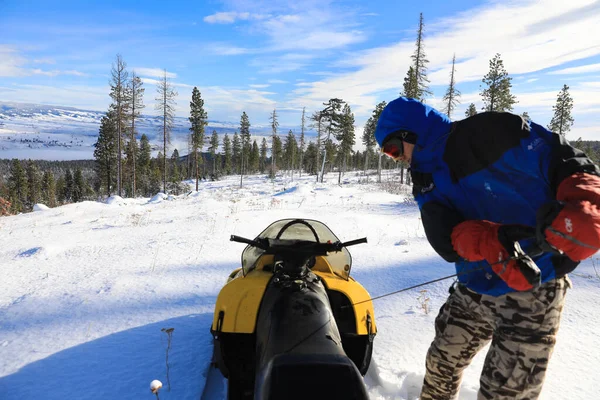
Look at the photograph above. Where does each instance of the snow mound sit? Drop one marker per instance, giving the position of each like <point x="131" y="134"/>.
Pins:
<point x="116" y="200"/>
<point x="158" y="197"/>
<point x="40" y="207"/>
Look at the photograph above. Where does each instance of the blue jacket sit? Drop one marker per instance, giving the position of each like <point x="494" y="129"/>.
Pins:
<point x="492" y="166"/>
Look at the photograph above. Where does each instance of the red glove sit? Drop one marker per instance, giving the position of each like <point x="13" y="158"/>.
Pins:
<point x="573" y="224"/>
<point x="477" y="240"/>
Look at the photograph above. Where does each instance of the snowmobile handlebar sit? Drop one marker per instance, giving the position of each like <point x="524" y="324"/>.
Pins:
<point x="316" y="248"/>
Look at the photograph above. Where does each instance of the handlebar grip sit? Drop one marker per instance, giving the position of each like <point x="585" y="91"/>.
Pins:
<point x="240" y="239"/>
<point x="353" y="242"/>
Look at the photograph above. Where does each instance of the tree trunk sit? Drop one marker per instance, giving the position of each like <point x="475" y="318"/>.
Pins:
<point x="196" y="164"/>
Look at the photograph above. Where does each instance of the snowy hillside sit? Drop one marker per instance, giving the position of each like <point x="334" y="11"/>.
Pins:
<point x="86" y="289"/>
<point x="64" y="133"/>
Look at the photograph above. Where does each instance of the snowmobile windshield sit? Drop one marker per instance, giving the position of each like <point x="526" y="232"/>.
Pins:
<point x="294" y="229"/>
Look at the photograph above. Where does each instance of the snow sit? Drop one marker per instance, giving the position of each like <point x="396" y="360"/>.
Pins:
<point x="40" y="207"/>
<point x="88" y="290"/>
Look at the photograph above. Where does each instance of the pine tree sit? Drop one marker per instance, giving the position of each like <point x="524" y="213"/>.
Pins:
<point x="452" y="93"/>
<point x="368" y="137"/>
<point x="289" y="150"/>
<point x="245" y="142"/>
<point x="410" y="84"/>
<point x="332" y="117"/>
<point x="156" y="175"/>
<point x="78" y="186"/>
<point x="311" y="158"/>
<point x="48" y="189"/>
<point x="136" y="104"/>
<point x="131" y="152"/>
<point x="199" y="120"/>
<point x="302" y="139"/>
<point x="175" y="176"/>
<point x="143" y="162"/>
<point x="497" y="96"/>
<point x="17" y="186"/>
<point x="263" y="155"/>
<point x="274" y="138"/>
<point x="214" y="146"/>
<point x="120" y="96"/>
<point x="471" y="110"/>
<point x="562" y="121"/>
<point x="106" y="150"/>
<point x="166" y="106"/>
<point x="68" y="189"/>
<point x="34" y="186"/>
<point x="227" y="155"/>
<point x="317" y="122"/>
<point x="236" y="150"/>
<point x="418" y="78"/>
<point x="346" y="138"/>
<point x="254" y="159"/>
<point x="277" y="151"/>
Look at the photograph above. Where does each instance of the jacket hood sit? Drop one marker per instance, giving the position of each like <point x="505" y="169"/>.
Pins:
<point x="426" y="122"/>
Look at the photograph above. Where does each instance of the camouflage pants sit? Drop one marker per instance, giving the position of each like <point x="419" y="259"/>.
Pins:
<point x="522" y="327"/>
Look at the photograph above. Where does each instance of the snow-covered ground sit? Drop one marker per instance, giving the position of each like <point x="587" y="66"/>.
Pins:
<point x="87" y="289"/>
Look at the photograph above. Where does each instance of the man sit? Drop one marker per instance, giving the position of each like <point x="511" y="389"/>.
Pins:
<point x="481" y="184"/>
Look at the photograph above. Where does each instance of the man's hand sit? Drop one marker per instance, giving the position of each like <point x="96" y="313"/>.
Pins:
<point x="476" y="240"/>
<point x="571" y="224"/>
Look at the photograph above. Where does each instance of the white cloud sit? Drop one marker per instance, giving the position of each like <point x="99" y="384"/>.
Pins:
<point x="276" y="81"/>
<point x="230" y="17"/>
<point x="151" y="81"/>
<point x="154" y="72"/>
<point x="44" y="61"/>
<point x="259" y="86"/>
<point x="225" y="49"/>
<point x="475" y="36"/>
<point x="577" y="70"/>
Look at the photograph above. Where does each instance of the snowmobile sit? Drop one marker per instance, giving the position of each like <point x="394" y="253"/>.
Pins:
<point x="291" y="323"/>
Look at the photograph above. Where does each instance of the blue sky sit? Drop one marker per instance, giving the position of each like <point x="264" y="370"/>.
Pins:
<point x="255" y="56"/>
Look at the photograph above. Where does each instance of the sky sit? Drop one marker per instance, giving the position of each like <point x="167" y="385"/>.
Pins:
<point x="260" y="55"/>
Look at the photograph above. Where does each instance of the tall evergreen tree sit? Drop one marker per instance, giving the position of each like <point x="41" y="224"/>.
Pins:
<point x="136" y="104"/>
<point x="302" y="144"/>
<point x="166" y="106"/>
<point x="332" y="115"/>
<point x="144" y="169"/>
<point x="246" y="145"/>
<point x="48" y="189"/>
<point x="410" y="87"/>
<point x="277" y="151"/>
<point x="254" y="159"/>
<point x="496" y="95"/>
<point x="346" y="138"/>
<point x="78" y="186"/>
<point x="274" y="138"/>
<point x="452" y="93"/>
<point x="120" y="95"/>
<point x="34" y="185"/>
<point x="236" y="152"/>
<point x="106" y="150"/>
<point x="68" y="189"/>
<point x="562" y="121"/>
<point x="199" y="120"/>
<point x="175" y="176"/>
<point x="310" y="158"/>
<point x="420" y="64"/>
<point x="263" y="155"/>
<point x="317" y="122"/>
<point x="471" y="110"/>
<point x="227" y="155"/>
<point x="289" y="150"/>
<point x="17" y="186"/>
<point x="214" y="146"/>
<point x="368" y="137"/>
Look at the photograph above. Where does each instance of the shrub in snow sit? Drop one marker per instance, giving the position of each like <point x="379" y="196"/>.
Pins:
<point x="4" y="207"/>
<point x="40" y="207"/>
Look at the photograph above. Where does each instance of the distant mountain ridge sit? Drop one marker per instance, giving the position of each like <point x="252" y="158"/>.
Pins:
<point x="67" y="133"/>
